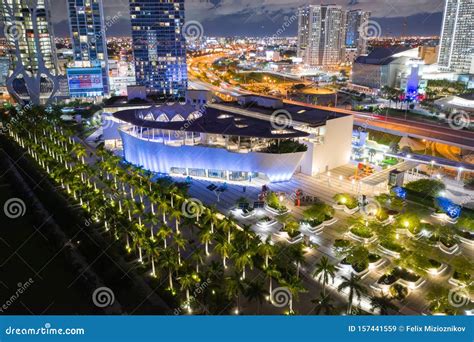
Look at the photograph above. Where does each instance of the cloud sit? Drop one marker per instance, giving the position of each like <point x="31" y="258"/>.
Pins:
<point x="239" y="14"/>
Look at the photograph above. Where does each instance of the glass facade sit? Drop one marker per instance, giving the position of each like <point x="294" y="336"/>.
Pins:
<point x="356" y="20"/>
<point x="159" y="46"/>
<point x="28" y="24"/>
<point x="321" y="34"/>
<point x="87" y="27"/>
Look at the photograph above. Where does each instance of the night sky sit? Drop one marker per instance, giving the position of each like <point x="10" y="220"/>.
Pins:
<point x="265" y="17"/>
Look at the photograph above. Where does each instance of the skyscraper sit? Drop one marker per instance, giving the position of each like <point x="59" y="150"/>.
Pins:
<point x="320" y="34"/>
<point x="356" y="22"/>
<point x="457" y="37"/>
<point x="159" y="46"/>
<point x="32" y="50"/>
<point x="87" y="27"/>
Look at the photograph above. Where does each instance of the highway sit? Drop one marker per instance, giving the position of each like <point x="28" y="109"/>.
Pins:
<point x="406" y="128"/>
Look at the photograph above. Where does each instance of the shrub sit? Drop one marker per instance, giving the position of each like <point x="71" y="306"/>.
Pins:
<point x="390" y="245"/>
<point x="347" y="200"/>
<point x="427" y="187"/>
<point x="341" y="247"/>
<point x="398" y="291"/>
<point x="319" y="212"/>
<point x="286" y="146"/>
<point x="362" y="231"/>
<point x="409" y="221"/>
<point x="461" y="276"/>
<point x="274" y="202"/>
<point x="466" y="223"/>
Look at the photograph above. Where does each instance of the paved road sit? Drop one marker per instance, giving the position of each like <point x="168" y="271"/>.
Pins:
<point x="432" y="132"/>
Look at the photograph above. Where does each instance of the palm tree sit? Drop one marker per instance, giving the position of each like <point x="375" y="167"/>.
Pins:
<point x="224" y="248"/>
<point x="187" y="282"/>
<point x="324" y="270"/>
<point x="205" y="236"/>
<point x="164" y="207"/>
<point x="255" y="291"/>
<point x="226" y="226"/>
<point x="210" y="217"/>
<point x="233" y="287"/>
<point x="152" y="221"/>
<point x="383" y="304"/>
<point x="272" y="273"/>
<point x="297" y="255"/>
<point x="153" y="251"/>
<point x="176" y="214"/>
<point x="295" y="287"/>
<point x="163" y="233"/>
<point x="180" y="242"/>
<point x="242" y="260"/>
<point x="323" y="304"/>
<point x="169" y="262"/>
<point x="355" y="288"/>
<point x="266" y="250"/>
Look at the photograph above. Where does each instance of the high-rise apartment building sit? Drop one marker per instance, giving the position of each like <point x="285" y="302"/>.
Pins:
<point x="320" y="34"/>
<point x="88" y="36"/>
<point x="356" y="24"/>
<point x="159" y="46"/>
<point x="457" y="37"/>
<point x="30" y="37"/>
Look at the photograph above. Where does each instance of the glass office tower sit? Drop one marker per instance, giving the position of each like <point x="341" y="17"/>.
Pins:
<point x="87" y="27"/>
<point x="30" y="38"/>
<point x="159" y="46"/>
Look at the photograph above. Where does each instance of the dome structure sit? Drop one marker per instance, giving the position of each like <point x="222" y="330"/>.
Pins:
<point x="169" y="113"/>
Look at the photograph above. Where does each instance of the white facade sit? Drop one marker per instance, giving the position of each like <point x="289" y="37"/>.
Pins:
<point x="335" y="149"/>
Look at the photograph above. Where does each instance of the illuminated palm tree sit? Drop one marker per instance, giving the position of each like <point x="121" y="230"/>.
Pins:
<point x="355" y="288"/>
<point x="324" y="270"/>
<point x="384" y="304"/>
<point x="323" y="304"/>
